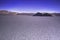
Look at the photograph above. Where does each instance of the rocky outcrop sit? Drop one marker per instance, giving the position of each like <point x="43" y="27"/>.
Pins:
<point x="47" y="14"/>
<point x="38" y="14"/>
<point x="42" y="14"/>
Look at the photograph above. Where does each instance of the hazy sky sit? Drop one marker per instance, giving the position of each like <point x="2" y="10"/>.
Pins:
<point x="30" y="5"/>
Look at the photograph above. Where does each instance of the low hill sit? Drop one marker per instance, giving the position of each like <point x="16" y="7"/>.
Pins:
<point x="5" y="12"/>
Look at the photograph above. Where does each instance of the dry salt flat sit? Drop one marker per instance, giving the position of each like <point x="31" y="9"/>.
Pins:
<point x="19" y="27"/>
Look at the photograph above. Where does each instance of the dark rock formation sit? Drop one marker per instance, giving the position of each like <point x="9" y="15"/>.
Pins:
<point x="38" y="14"/>
<point x="41" y="14"/>
<point x="47" y="14"/>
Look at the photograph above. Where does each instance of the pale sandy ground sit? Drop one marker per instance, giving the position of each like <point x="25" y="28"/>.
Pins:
<point x="29" y="28"/>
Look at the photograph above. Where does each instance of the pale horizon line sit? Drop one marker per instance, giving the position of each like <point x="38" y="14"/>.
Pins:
<point x="31" y="12"/>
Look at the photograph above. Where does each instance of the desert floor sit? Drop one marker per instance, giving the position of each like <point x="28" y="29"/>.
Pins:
<point x="19" y="27"/>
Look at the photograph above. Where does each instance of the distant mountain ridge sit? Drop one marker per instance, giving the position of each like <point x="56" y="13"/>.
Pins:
<point x="5" y="12"/>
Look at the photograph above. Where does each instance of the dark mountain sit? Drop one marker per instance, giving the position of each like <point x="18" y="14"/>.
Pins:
<point x="42" y="14"/>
